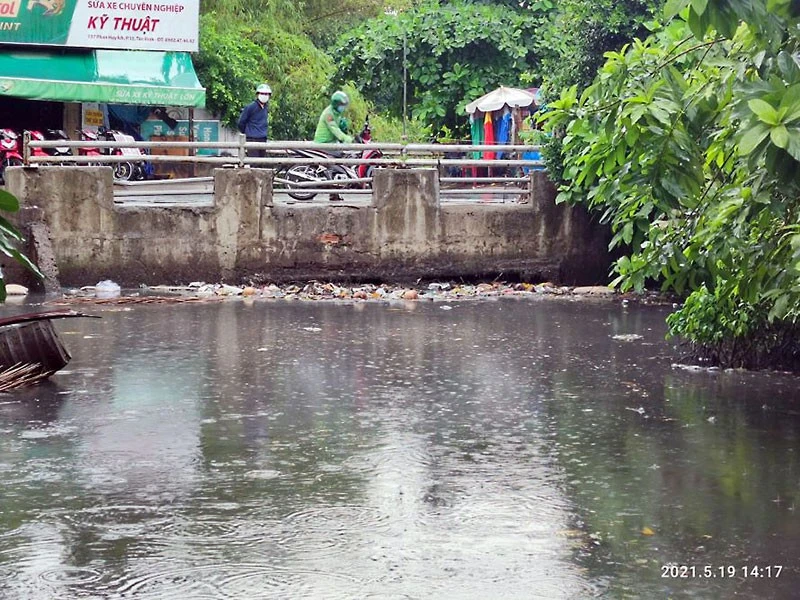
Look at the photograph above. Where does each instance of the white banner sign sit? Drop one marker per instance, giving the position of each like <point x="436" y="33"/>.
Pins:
<point x="135" y="25"/>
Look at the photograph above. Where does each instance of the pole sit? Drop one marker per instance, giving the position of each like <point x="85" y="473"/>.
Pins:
<point x="191" y="139"/>
<point x="405" y="85"/>
<point x="26" y="148"/>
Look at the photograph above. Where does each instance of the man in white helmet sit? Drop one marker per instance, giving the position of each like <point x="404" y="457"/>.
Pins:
<point x="254" y="120"/>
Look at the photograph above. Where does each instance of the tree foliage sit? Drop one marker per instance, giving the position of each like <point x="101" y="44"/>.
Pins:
<point x="236" y="56"/>
<point x="455" y="52"/>
<point x="324" y="21"/>
<point x="264" y="13"/>
<point x="321" y="20"/>
<point x="689" y="144"/>
<point x="578" y="34"/>
<point x="228" y="65"/>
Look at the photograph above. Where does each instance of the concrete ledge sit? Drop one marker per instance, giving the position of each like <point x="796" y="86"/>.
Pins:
<point x="404" y="234"/>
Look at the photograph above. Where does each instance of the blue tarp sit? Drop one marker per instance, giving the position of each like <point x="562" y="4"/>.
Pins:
<point x="504" y="130"/>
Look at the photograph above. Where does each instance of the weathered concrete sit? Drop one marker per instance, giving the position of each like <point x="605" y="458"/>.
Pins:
<point x="38" y="247"/>
<point x="405" y="233"/>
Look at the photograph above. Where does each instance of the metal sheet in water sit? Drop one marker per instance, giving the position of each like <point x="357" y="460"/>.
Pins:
<point x="509" y="448"/>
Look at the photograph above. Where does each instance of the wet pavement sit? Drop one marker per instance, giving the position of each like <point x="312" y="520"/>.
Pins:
<point x="515" y="447"/>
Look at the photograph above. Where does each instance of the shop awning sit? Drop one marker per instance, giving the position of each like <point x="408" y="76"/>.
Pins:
<point x="110" y="76"/>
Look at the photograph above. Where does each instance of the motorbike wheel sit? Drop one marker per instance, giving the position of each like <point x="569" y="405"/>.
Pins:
<point x="298" y="174"/>
<point x="340" y="173"/>
<point x="12" y="162"/>
<point x="66" y="164"/>
<point x="123" y="171"/>
<point x="138" y="172"/>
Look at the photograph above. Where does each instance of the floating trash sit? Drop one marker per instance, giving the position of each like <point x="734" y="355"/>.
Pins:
<point x="627" y="337"/>
<point x="107" y="289"/>
<point x="199" y="291"/>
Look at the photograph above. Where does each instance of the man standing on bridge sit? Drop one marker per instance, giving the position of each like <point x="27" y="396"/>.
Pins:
<point x="254" y="120"/>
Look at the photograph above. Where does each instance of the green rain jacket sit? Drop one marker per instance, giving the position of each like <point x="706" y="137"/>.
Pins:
<point x="330" y="126"/>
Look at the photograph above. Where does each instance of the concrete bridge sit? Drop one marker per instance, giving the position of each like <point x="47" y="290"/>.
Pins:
<point x="403" y="232"/>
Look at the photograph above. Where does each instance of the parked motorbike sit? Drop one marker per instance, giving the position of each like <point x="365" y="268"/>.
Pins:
<point x="133" y="169"/>
<point x="38" y="136"/>
<point x="88" y="135"/>
<point x="329" y="172"/>
<point x="58" y="134"/>
<point x="310" y="173"/>
<point x="10" y="148"/>
<point x="365" y="137"/>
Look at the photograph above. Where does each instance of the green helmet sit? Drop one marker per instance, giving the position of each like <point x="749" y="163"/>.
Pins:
<point x="339" y="100"/>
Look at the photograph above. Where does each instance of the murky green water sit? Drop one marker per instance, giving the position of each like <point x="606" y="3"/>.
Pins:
<point x="503" y="449"/>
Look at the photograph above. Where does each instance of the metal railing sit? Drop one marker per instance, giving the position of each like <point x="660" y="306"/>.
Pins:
<point x="505" y="176"/>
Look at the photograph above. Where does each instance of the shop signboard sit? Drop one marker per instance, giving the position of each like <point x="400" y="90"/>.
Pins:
<point x="92" y="115"/>
<point x="127" y="24"/>
<point x="204" y="131"/>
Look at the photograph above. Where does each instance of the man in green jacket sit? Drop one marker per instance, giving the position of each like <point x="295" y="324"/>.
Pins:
<point x="332" y="125"/>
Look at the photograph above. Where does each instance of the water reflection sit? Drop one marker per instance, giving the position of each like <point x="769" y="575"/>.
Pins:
<point x="470" y="450"/>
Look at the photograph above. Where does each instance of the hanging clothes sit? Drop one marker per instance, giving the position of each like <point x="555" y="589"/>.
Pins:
<point x="488" y="134"/>
<point x="529" y="124"/>
<point x="504" y="130"/>
<point x="476" y="131"/>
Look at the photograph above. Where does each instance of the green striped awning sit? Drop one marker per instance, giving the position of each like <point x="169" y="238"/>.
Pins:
<point x="110" y="76"/>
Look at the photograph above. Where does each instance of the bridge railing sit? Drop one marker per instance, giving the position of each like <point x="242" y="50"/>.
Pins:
<point x="460" y="171"/>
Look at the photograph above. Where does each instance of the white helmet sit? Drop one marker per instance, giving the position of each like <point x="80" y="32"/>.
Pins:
<point x="264" y="89"/>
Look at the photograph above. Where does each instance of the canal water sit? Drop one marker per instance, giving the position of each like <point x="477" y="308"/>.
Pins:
<point x="512" y="449"/>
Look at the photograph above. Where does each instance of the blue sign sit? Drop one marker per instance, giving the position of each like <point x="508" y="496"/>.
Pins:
<point x="204" y="131"/>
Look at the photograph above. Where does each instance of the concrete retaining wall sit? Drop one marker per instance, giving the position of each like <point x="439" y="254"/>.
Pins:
<point x="404" y="234"/>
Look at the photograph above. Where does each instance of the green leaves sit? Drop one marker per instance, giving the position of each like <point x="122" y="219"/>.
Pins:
<point x="10" y="237"/>
<point x="8" y="202"/>
<point x="573" y="41"/>
<point x="771" y="124"/>
<point x="699" y="6"/>
<point x="764" y="111"/>
<point x="235" y="53"/>
<point x="689" y="147"/>
<point x="455" y="52"/>
<point x="779" y="136"/>
<point x="752" y="138"/>
<point x="673" y="7"/>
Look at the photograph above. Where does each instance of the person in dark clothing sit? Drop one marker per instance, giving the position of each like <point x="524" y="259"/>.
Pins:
<point x="254" y="120"/>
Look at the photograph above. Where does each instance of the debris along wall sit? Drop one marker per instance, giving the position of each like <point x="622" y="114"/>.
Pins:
<point x="404" y="234"/>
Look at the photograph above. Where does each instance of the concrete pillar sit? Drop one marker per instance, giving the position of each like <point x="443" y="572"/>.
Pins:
<point x="407" y="215"/>
<point x="542" y="189"/>
<point x="74" y="205"/>
<point x="84" y="201"/>
<point x="69" y="220"/>
<point x="242" y="197"/>
<point x="72" y="119"/>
